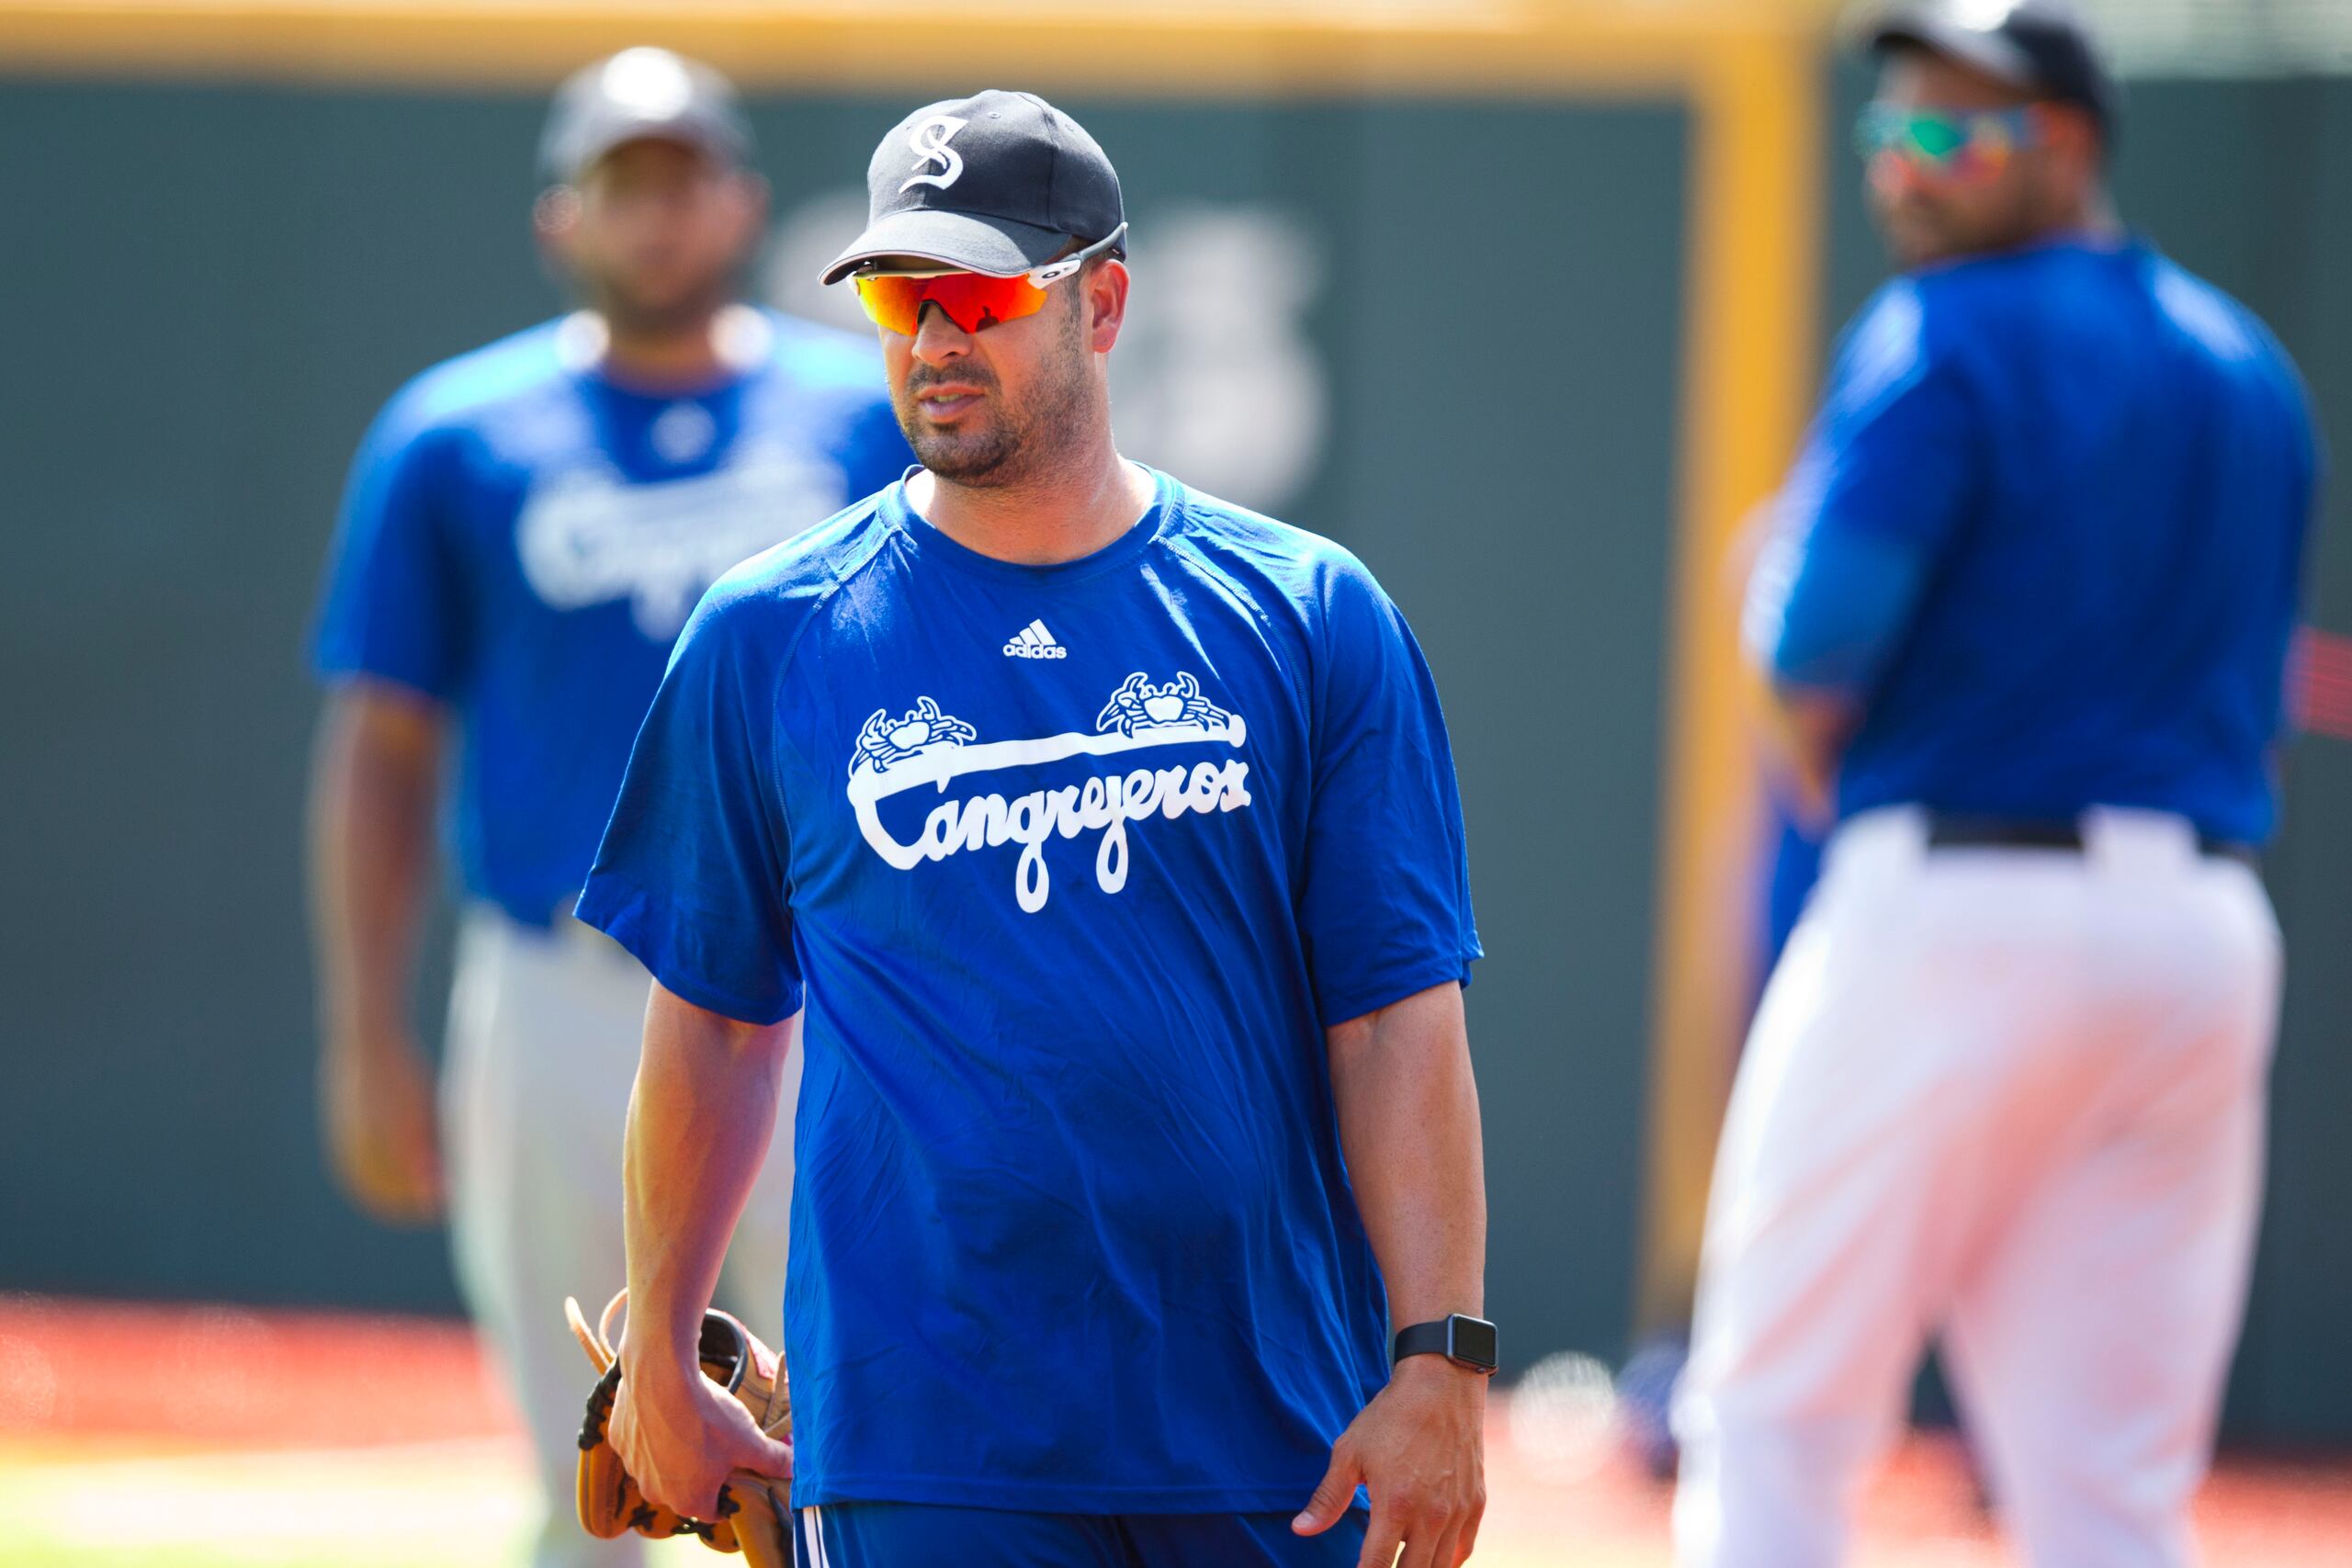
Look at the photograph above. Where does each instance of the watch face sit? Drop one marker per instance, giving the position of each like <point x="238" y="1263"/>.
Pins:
<point x="1474" y="1341"/>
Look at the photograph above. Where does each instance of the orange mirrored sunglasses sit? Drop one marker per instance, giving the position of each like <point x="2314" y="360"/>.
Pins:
<point x="973" y="300"/>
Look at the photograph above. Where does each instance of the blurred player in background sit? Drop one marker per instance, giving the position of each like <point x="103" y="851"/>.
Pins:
<point x="526" y="529"/>
<point x="2029" y="605"/>
<point x="1117" y="832"/>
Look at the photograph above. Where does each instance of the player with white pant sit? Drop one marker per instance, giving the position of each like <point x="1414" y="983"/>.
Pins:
<point x="525" y="528"/>
<point x="2014" y="1097"/>
<point x="2026" y="617"/>
<point x="544" y="1027"/>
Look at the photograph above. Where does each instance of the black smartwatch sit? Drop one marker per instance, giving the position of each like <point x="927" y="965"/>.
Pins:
<point x="1467" y="1342"/>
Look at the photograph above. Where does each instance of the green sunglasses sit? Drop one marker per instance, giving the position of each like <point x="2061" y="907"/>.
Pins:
<point x="1946" y="142"/>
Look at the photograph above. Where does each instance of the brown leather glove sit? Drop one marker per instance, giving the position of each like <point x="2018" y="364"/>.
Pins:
<point x="754" y="1511"/>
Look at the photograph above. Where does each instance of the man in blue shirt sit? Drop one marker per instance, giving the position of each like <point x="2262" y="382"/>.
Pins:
<point x="2026" y="619"/>
<point x="1110" y="833"/>
<point x="526" y="529"/>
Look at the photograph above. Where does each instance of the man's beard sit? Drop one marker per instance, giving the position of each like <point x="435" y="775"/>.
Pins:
<point x="1929" y="234"/>
<point x="1017" y="443"/>
<point x="633" y="315"/>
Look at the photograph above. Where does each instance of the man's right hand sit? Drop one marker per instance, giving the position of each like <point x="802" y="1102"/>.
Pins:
<point x="680" y="1436"/>
<point x="383" y="1139"/>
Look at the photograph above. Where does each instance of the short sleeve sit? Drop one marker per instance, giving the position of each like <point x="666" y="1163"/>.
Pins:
<point x="393" y="606"/>
<point x="692" y="875"/>
<point x="1884" y="478"/>
<point x="1384" y="908"/>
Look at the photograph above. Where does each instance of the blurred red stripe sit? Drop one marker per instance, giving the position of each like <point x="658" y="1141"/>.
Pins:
<point x="239" y="1376"/>
<point x="2319" y="684"/>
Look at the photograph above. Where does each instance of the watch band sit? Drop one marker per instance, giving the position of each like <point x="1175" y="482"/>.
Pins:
<point x="1466" y="1341"/>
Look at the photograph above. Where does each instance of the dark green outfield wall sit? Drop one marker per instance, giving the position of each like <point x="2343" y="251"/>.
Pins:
<point x="209" y="291"/>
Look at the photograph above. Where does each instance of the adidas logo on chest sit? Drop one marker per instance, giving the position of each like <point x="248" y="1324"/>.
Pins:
<point x="1034" y="641"/>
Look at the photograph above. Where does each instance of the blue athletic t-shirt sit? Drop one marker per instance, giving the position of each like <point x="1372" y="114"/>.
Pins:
<point x="2049" y="529"/>
<point x="521" y="537"/>
<point x="1075" y="864"/>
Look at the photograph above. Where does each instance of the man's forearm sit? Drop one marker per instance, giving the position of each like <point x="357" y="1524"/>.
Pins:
<point x="1409" y="1125"/>
<point x="1806" y="733"/>
<point x="374" y="786"/>
<point x="700" y="1123"/>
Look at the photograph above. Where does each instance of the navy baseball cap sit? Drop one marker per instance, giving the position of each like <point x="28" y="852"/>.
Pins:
<point x="2037" y="46"/>
<point x="639" y="93"/>
<point x="996" y="182"/>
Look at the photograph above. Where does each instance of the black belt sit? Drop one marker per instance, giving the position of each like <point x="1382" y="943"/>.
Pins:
<point x="1949" y="831"/>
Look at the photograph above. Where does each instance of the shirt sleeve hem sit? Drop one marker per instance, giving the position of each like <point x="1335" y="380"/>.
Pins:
<point x="338" y="671"/>
<point x="1817" y="685"/>
<point x="625" y="927"/>
<point x="1394" y="985"/>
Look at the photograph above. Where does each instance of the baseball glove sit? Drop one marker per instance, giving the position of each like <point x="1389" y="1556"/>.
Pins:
<point x="754" y="1511"/>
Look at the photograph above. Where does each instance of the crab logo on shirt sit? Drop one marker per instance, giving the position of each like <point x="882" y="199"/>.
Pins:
<point x="881" y="742"/>
<point x="927" y="745"/>
<point x="1139" y="705"/>
<point x="586" y="536"/>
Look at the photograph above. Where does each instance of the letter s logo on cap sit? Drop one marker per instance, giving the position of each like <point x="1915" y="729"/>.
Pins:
<point x="930" y="142"/>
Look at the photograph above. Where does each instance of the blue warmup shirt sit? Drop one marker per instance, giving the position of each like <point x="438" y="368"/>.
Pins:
<point x="522" y="538"/>
<point x="1076" y="862"/>
<point x="2048" y="529"/>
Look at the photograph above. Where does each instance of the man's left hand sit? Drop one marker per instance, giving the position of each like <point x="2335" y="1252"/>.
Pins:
<point x="1419" y="1448"/>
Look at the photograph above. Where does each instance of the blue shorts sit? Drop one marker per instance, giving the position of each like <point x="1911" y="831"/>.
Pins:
<point x="917" y="1535"/>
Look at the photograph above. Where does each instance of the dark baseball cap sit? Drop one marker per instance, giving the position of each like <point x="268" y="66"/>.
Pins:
<point x="2037" y="46"/>
<point x="639" y="93"/>
<point x="996" y="182"/>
